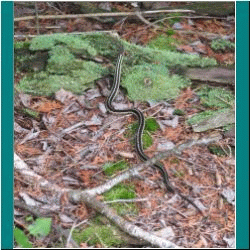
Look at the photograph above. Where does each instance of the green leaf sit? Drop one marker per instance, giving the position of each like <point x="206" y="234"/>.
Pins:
<point x="21" y="239"/>
<point x="41" y="227"/>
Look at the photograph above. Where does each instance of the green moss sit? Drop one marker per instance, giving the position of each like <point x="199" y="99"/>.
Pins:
<point x="60" y="61"/>
<point x="141" y="69"/>
<point x="176" y="18"/>
<point x="22" y="45"/>
<point x="175" y="161"/>
<point x="217" y="150"/>
<point x="204" y="115"/>
<point x="106" y="45"/>
<point x="222" y="45"/>
<point x="200" y="117"/>
<point x="111" y="168"/>
<point x="179" y="174"/>
<point x="122" y="191"/>
<point x="42" y="43"/>
<point x="151" y="126"/>
<point x="106" y="235"/>
<point x="216" y="97"/>
<point x="76" y="81"/>
<point x="143" y="55"/>
<point x="178" y="112"/>
<point x="30" y="113"/>
<point x="152" y="82"/>
<point x="164" y="42"/>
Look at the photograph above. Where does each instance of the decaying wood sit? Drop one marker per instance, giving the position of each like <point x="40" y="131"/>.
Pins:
<point x="216" y="121"/>
<point x="111" y="14"/>
<point x="213" y="75"/>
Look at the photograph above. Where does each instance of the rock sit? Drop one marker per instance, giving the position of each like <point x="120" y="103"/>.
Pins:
<point x="120" y="105"/>
<point x="229" y="195"/>
<point x="166" y="233"/>
<point x="177" y="26"/>
<point x="95" y="120"/>
<point x="190" y="22"/>
<point x="217" y="120"/>
<point x="65" y="219"/>
<point x="102" y="108"/>
<point x="92" y="94"/>
<point x="216" y="75"/>
<point x="29" y="201"/>
<point x="198" y="204"/>
<point x="172" y="123"/>
<point x="165" y="145"/>
<point x="63" y="95"/>
<point x="230" y="242"/>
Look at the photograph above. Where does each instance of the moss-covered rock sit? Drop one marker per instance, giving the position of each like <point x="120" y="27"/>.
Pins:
<point x="222" y="45"/>
<point x="152" y="82"/>
<point x="76" y="81"/>
<point x="144" y="68"/>
<point x="216" y="97"/>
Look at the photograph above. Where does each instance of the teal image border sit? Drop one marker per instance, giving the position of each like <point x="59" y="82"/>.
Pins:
<point x="7" y="125"/>
<point x="242" y="125"/>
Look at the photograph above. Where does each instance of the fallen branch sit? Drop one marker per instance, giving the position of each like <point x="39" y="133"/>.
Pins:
<point x="91" y="201"/>
<point x="111" y="14"/>
<point x="89" y="196"/>
<point x="120" y="222"/>
<point x="67" y="34"/>
<point x="189" y="17"/>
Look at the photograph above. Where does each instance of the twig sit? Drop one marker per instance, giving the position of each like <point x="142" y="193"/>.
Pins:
<point x="139" y="15"/>
<point x="127" y="200"/>
<point x="200" y="167"/>
<point x="66" y="34"/>
<point x="37" y="18"/>
<point x="114" y="14"/>
<point x="188" y="17"/>
<point x="69" y="239"/>
<point x="177" y="211"/>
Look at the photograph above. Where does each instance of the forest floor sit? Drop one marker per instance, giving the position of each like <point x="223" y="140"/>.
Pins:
<point x="75" y="156"/>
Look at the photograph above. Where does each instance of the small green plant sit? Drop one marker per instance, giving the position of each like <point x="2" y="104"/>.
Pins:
<point x="222" y="45"/>
<point x="151" y="126"/>
<point x="201" y="116"/>
<point x="120" y="191"/>
<point x="178" y="112"/>
<point x="176" y="18"/>
<point x="106" y="235"/>
<point x="111" y="168"/>
<point x="21" y="45"/>
<point x="164" y="42"/>
<point x="179" y="173"/>
<point x="41" y="227"/>
<point x="21" y="239"/>
<point x="216" y="97"/>
<point x="30" y="113"/>
<point x="217" y="150"/>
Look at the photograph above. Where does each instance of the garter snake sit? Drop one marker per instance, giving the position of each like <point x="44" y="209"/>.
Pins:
<point x="138" y="136"/>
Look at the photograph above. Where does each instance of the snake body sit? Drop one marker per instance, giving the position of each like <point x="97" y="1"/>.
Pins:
<point x="138" y="136"/>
